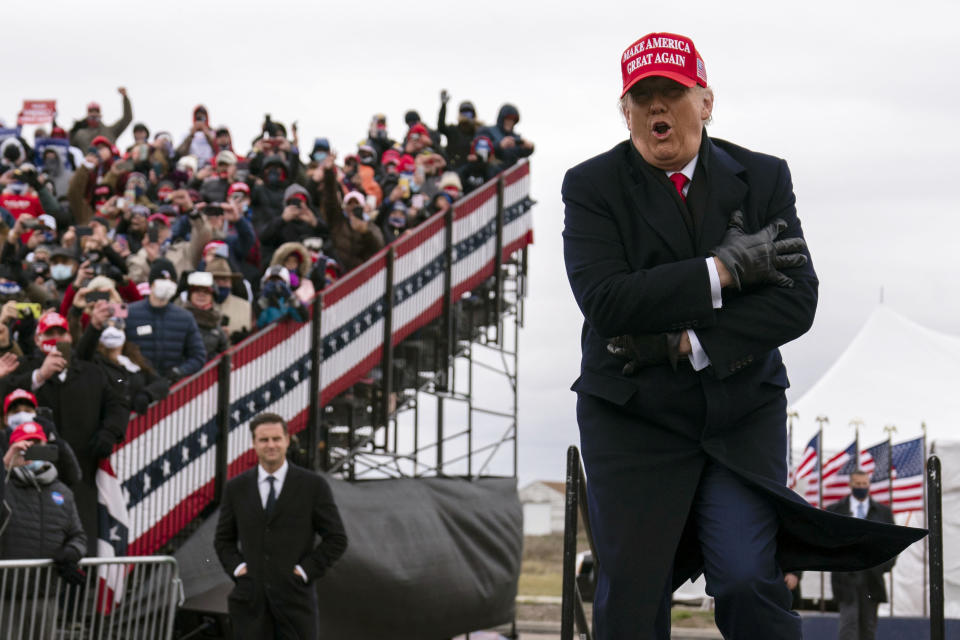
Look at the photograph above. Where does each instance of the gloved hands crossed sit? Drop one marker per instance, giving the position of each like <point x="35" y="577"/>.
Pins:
<point x="756" y="258"/>
<point x="646" y="350"/>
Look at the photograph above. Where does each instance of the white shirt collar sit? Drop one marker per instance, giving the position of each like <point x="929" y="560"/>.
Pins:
<point x="687" y="169"/>
<point x="280" y="474"/>
<point x="854" y="503"/>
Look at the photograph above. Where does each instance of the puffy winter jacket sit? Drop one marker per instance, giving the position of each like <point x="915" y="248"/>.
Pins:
<point x="43" y="516"/>
<point x="168" y="337"/>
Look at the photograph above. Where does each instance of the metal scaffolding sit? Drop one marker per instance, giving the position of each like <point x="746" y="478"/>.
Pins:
<point x="423" y="414"/>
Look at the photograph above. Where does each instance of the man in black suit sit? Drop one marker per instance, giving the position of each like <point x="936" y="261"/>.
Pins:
<point x="687" y="259"/>
<point x="859" y="592"/>
<point x="275" y="511"/>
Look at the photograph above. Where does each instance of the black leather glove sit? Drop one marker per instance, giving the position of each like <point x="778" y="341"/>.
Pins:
<point x="755" y="258"/>
<point x="646" y="350"/>
<point x="140" y="402"/>
<point x="65" y="561"/>
<point x="174" y="374"/>
<point x="101" y="444"/>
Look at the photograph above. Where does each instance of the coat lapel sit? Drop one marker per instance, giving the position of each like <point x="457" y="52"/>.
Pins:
<point x="289" y="489"/>
<point x="253" y="491"/>
<point x="657" y="206"/>
<point x="726" y="192"/>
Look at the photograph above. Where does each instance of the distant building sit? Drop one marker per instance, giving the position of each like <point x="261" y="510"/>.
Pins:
<point x="543" y="504"/>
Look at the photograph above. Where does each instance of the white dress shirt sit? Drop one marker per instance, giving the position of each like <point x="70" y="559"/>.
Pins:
<point x="855" y="506"/>
<point x="698" y="357"/>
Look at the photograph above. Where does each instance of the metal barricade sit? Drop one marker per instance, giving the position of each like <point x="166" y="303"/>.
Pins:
<point x="571" y="610"/>
<point x="121" y="598"/>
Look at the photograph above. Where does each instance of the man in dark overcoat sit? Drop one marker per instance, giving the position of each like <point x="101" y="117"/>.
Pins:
<point x="857" y="593"/>
<point x="687" y="259"/>
<point x="266" y="536"/>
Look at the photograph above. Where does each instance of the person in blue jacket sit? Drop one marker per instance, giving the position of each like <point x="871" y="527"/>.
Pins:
<point x="166" y="334"/>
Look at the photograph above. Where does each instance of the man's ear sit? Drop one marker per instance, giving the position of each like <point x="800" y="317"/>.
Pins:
<point x="706" y="109"/>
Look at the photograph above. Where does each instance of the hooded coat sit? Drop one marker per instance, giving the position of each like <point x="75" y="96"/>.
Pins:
<point x="507" y="157"/>
<point x="43" y="516"/>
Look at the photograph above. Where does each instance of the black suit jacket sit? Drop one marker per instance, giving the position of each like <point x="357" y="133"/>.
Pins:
<point x="635" y="256"/>
<point x="847" y="585"/>
<point x="273" y="545"/>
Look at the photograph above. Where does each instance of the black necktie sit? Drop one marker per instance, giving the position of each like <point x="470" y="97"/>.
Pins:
<point x="271" y="496"/>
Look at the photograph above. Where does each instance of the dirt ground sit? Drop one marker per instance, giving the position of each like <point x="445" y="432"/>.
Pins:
<point x="541" y="575"/>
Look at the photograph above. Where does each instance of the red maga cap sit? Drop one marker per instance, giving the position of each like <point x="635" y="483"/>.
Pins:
<point x="51" y="320"/>
<point x="662" y="54"/>
<point x="18" y="394"/>
<point x="28" y="431"/>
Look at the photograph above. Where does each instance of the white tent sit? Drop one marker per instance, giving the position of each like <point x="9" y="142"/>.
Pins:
<point x="894" y="372"/>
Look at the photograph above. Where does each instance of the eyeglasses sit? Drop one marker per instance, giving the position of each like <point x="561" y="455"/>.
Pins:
<point x="238" y="195"/>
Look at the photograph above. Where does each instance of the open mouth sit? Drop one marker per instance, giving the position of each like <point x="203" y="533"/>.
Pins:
<point x="661" y="129"/>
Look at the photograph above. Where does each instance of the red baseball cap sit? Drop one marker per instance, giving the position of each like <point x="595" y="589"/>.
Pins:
<point x="28" y="431"/>
<point x="51" y="320"/>
<point x="18" y="394"/>
<point x="159" y="216"/>
<point x="662" y="54"/>
<point x="101" y="140"/>
<point x="238" y="186"/>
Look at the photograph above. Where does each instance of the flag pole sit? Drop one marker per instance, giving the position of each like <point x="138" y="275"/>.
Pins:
<point x="890" y="429"/>
<point x="821" y="420"/>
<point x="856" y="423"/>
<point x="926" y="575"/>
<point x="790" y="417"/>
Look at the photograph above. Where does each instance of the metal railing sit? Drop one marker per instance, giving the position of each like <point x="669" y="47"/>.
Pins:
<point x="571" y="611"/>
<point x="935" y="524"/>
<point x="118" y="599"/>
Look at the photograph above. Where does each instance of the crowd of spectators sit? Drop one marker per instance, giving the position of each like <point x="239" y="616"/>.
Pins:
<point x="124" y="270"/>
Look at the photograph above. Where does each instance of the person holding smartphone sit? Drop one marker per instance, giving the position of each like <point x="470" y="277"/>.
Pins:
<point x="39" y="518"/>
<point x="91" y="414"/>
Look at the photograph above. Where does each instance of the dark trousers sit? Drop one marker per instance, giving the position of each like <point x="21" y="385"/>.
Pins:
<point x="858" y="618"/>
<point x="260" y="617"/>
<point x="735" y="526"/>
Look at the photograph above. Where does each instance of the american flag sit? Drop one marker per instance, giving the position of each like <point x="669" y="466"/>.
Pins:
<point x="875" y="460"/>
<point x="908" y="477"/>
<point x="836" y="474"/>
<point x="114" y="524"/>
<point x="804" y="478"/>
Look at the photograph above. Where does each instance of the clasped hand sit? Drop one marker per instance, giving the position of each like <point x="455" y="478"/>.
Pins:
<point x="757" y="258"/>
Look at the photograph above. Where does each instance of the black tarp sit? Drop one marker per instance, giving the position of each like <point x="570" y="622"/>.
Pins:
<point x="428" y="558"/>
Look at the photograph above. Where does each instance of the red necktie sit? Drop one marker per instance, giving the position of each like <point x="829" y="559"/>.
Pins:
<point x="679" y="181"/>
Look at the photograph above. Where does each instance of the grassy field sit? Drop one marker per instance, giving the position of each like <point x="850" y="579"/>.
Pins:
<point x="541" y="575"/>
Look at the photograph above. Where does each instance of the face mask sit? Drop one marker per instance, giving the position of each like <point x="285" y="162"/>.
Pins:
<point x="18" y="418"/>
<point x="113" y="338"/>
<point x="35" y="465"/>
<point x="61" y="272"/>
<point x="50" y="165"/>
<point x="397" y="220"/>
<point x="273" y="177"/>
<point x="294" y="280"/>
<point x="18" y="188"/>
<point x="163" y="289"/>
<point x="221" y="294"/>
<point x="48" y="346"/>
<point x="860" y="493"/>
<point x="320" y="156"/>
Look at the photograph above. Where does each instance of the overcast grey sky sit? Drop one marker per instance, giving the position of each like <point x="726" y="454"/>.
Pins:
<point x="859" y="98"/>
